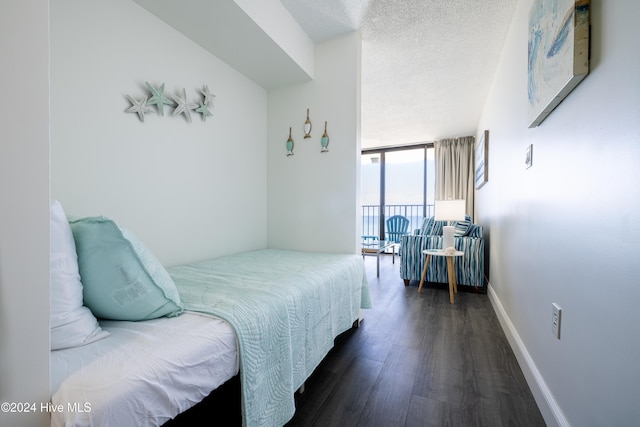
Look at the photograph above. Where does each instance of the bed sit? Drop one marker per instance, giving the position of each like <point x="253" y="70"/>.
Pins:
<point x="268" y="317"/>
<point x="143" y="373"/>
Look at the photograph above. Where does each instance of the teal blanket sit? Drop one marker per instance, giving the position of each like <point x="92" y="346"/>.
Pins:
<point x="286" y="307"/>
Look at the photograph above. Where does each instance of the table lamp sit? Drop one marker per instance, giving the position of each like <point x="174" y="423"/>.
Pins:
<point x="449" y="210"/>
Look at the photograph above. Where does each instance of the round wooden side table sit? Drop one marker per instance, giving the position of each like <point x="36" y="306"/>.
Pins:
<point x="453" y="286"/>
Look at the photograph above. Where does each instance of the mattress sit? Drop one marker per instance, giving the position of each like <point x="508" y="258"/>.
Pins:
<point x="143" y="373"/>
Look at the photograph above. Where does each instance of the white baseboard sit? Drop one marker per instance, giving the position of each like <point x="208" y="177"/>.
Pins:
<point x="547" y="404"/>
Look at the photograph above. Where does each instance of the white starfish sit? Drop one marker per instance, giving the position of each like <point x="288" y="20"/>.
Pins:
<point x="208" y="96"/>
<point x="183" y="106"/>
<point x="139" y="106"/>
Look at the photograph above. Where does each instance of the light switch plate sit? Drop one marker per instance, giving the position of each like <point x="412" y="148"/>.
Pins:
<point x="556" y="317"/>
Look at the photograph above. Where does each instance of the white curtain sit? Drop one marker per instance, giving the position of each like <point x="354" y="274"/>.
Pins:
<point x="455" y="170"/>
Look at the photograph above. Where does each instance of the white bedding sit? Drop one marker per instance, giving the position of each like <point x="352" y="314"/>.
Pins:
<point x="143" y="373"/>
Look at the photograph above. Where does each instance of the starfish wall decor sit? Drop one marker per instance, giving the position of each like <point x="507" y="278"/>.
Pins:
<point x="204" y="110"/>
<point x="139" y="106"/>
<point x="208" y="96"/>
<point x="178" y="102"/>
<point x="158" y="98"/>
<point x="183" y="107"/>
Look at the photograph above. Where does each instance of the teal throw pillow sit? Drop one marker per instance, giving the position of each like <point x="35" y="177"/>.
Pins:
<point x="427" y="225"/>
<point x="462" y="227"/>
<point x="436" y="230"/>
<point x="121" y="278"/>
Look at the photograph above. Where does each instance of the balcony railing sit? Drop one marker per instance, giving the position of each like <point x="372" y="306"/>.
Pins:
<point x="371" y="216"/>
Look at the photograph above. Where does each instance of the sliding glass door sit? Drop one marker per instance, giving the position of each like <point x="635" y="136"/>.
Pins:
<point x="370" y="194"/>
<point x="396" y="181"/>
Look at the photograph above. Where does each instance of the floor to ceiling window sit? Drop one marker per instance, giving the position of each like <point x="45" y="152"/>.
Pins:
<point x="396" y="181"/>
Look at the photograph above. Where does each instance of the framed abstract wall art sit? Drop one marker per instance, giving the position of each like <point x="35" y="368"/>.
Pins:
<point x="558" y="53"/>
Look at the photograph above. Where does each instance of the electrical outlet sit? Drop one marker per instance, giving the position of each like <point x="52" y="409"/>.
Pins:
<point x="556" y="316"/>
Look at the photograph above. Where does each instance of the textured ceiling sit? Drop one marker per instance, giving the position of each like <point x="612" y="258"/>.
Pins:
<point x="427" y="65"/>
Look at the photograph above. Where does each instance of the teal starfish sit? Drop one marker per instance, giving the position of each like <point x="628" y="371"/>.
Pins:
<point x="204" y="110"/>
<point x="158" y="98"/>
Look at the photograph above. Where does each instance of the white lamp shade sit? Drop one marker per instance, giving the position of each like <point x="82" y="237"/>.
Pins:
<point x="450" y="210"/>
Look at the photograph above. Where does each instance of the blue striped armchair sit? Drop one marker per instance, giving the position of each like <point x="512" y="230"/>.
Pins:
<point x="468" y="239"/>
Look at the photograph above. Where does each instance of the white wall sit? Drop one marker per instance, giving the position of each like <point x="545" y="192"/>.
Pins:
<point x="313" y="196"/>
<point x="567" y="229"/>
<point x="24" y="211"/>
<point x="277" y="22"/>
<point x="188" y="190"/>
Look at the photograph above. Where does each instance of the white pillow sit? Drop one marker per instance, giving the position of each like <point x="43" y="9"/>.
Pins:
<point x="72" y="324"/>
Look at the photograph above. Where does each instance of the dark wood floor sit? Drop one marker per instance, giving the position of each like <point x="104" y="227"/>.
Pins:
<point x="417" y="360"/>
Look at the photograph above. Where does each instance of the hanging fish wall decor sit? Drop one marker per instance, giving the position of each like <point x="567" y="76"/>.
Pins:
<point x="307" y="126"/>
<point x="290" y="144"/>
<point x="324" y="141"/>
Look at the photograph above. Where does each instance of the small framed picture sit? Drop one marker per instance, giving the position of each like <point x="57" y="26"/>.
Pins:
<point x="528" y="158"/>
<point x="482" y="160"/>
